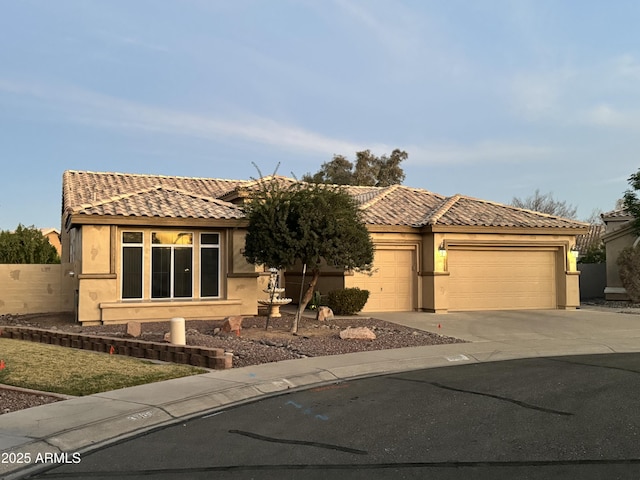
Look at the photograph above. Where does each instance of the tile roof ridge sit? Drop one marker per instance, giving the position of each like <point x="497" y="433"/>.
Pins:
<point x="190" y="194"/>
<point x="527" y="210"/>
<point x="113" y="198"/>
<point x="151" y="175"/>
<point x="624" y="210"/>
<point x="385" y="192"/>
<point x="444" y="207"/>
<point x="122" y="196"/>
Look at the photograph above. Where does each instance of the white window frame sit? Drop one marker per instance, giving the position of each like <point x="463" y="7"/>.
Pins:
<point x="219" y="273"/>
<point x="172" y="276"/>
<point x="122" y="247"/>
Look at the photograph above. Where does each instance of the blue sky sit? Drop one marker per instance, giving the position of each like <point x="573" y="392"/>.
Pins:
<point x="491" y="99"/>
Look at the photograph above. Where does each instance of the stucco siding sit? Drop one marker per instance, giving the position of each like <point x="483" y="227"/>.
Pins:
<point x="26" y="289"/>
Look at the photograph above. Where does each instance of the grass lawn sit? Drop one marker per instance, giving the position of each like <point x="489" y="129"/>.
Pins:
<point x="78" y="372"/>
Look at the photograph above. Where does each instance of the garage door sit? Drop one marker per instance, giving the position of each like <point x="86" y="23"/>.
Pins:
<point x="391" y="286"/>
<point x="506" y="279"/>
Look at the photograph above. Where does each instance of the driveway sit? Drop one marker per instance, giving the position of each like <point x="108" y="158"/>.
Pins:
<point x="585" y="324"/>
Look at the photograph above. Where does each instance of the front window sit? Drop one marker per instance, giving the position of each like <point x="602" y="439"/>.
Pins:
<point x="132" y="265"/>
<point x="171" y="265"/>
<point x="210" y="265"/>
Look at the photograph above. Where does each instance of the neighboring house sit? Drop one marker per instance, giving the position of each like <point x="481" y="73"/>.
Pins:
<point x="593" y="276"/>
<point x="618" y="235"/>
<point x="151" y="247"/>
<point x="53" y="235"/>
<point x="591" y="239"/>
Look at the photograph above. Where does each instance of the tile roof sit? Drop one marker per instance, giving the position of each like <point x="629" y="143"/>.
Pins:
<point x="460" y="210"/>
<point x="593" y="237"/>
<point x="399" y="205"/>
<point x="127" y="195"/>
<point x="620" y="213"/>
<point x="119" y="194"/>
<point x="160" y="201"/>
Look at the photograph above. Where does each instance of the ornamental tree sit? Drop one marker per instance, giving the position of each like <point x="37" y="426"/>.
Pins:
<point x="308" y="224"/>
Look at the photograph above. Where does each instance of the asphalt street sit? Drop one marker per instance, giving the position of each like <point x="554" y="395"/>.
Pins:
<point x="543" y="418"/>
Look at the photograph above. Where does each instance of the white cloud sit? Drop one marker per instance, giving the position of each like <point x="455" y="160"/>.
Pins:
<point x="406" y="38"/>
<point x="485" y="152"/>
<point x="98" y="110"/>
<point x="626" y="66"/>
<point x="101" y="110"/>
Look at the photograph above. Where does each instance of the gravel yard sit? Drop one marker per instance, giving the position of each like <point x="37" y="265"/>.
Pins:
<point x="254" y="345"/>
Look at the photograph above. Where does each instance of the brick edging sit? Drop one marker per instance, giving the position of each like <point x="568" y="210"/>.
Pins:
<point x="214" y="358"/>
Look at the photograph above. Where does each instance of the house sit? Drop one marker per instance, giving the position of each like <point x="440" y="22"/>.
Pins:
<point x="618" y="235"/>
<point x="151" y="247"/>
<point x="53" y="235"/>
<point x="590" y="240"/>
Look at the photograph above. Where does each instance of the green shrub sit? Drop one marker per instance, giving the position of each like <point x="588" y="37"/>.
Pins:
<point x="347" y="301"/>
<point x="594" y="254"/>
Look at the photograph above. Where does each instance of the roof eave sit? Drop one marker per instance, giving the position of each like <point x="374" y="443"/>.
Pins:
<point x="140" y="221"/>
<point x="496" y="229"/>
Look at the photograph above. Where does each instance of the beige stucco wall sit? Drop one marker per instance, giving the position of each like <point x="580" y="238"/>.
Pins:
<point x="617" y="238"/>
<point x="99" y="281"/>
<point x="26" y="289"/>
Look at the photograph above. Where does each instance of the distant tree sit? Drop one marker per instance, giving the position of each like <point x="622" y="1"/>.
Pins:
<point x="545" y="203"/>
<point x="595" y="218"/>
<point x="26" y="245"/>
<point x="369" y="170"/>
<point x="306" y="224"/>
<point x="338" y="172"/>
<point x="631" y="201"/>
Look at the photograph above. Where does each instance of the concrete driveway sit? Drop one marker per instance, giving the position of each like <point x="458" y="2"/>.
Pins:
<point x="585" y="324"/>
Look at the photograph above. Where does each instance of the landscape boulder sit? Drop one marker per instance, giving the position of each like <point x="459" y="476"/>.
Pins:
<point x="324" y="313"/>
<point x="134" y="329"/>
<point x="232" y="324"/>
<point x="358" y="333"/>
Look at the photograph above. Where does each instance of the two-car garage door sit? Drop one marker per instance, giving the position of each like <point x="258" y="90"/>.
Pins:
<point x="491" y="278"/>
<point x="501" y="279"/>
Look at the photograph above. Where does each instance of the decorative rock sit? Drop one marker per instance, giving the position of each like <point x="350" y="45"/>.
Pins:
<point x="232" y="324"/>
<point x="358" y="333"/>
<point x="324" y="313"/>
<point x="134" y="329"/>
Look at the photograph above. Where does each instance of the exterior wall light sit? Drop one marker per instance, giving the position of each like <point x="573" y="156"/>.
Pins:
<point x="442" y="250"/>
<point x="575" y="252"/>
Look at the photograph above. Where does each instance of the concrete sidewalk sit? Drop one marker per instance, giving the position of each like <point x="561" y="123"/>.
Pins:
<point x="86" y="423"/>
